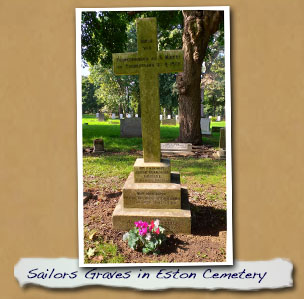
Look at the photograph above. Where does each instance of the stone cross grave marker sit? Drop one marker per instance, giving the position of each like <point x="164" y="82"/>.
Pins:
<point x="148" y="62"/>
<point x="151" y="191"/>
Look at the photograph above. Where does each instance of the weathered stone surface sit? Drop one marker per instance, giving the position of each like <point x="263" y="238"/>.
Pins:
<point x="101" y="117"/>
<point x="176" y="221"/>
<point x="220" y="154"/>
<point x="152" y="195"/>
<point x="176" y="147"/>
<point x="205" y="126"/>
<point x="148" y="63"/>
<point x="152" y="172"/>
<point x="169" y="122"/>
<point x="222" y="138"/>
<point x="98" y="146"/>
<point x="130" y="127"/>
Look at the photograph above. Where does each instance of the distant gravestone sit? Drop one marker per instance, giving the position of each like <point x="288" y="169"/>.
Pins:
<point x="221" y="153"/>
<point x="101" y="117"/>
<point x="130" y="127"/>
<point x="205" y="126"/>
<point x="128" y="115"/>
<point x="160" y="117"/>
<point x="113" y="115"/>
<point x="218" y="118"/>
<point x="98" y="146"/>
<point x="169" y="122"/>
<point x="121" y="116"/>
<point x="97" y="115"/>
<point x="136" y="115"/>
<point x="169" y="116"/>
<point x="175" y="147"/>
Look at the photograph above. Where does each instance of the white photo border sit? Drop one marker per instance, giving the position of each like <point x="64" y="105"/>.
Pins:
<point x="229" y="240"/>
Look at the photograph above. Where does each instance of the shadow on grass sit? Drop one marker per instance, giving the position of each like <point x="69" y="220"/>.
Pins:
<point x="207" y="220"/>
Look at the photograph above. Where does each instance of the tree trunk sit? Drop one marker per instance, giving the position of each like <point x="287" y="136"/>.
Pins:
<point x="198" y="27"/>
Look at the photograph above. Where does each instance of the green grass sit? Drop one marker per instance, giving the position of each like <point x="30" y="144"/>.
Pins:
<point x="193" y="170"/>
<point x="97" y="251"/>
<point x="109" y="131"/>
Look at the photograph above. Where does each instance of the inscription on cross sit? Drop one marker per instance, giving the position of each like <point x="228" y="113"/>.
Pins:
<point x="148" y="62"/>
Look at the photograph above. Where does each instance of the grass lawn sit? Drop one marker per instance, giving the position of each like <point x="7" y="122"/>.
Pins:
<point x="110" y="132"/>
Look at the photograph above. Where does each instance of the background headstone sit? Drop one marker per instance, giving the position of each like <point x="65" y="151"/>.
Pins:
<point x="205" y="126"/>
<point x="130" y="127"/>
<point x="218" y="118"/>
<point x="136" y="115"/>
<point x="169" y="116"/>
<point x="98" y="146"/>
<point x="160" y="117"/>
<point x="121" y="116"/>
<point x="101" y="117"/>
<point x="97" y="115"/>
<point x="113" y="116"/>
<point x="176" y="147"/>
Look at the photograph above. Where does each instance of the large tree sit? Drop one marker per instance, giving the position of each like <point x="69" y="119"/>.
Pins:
<point x="199" y="26"/>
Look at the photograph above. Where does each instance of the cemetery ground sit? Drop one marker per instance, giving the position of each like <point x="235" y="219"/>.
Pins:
<point x="105" y="174"/>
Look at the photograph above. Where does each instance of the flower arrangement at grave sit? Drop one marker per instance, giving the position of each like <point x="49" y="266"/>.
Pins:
<point x="146" y="237"/>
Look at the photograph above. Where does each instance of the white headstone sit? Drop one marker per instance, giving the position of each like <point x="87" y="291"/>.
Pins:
<point x="218" y="118"/>
<point x="121" y="116"/>
<point x="176" y="147"/>
<point x="113" y="116"/>
<point x="169" y="116"/>
<point x="136" y="115"/>
<point x="210" y="117"/>
<point x="97" y="115"/>
<point x="160" y="117"/>
<point x="128" y="115"/>
<point x="205" y="126"/>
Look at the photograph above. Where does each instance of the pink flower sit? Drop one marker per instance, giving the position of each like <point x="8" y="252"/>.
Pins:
<point x="151" y="225"/>
<point x="157" y="231"/>
<point x="143" y="231"/>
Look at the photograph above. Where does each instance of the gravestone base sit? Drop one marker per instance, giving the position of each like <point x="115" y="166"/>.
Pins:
<point x="152" y="172"/>
<point x="98" y="146"/>
<point x="153" y="195"/>
<point x="220" y="154"/>
<point x="175" y="221"/>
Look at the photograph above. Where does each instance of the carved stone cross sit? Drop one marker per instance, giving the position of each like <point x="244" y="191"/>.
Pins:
<point x="148" y="62"/>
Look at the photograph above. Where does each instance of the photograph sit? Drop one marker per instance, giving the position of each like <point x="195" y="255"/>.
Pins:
<point x="154" y="136"/>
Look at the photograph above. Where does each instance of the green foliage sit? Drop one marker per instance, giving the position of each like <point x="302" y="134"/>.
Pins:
<point x="89" y="99"/>
<point x="213" y="81"/>
<point x="146" y="237"/>
<point x="102" y="33"/>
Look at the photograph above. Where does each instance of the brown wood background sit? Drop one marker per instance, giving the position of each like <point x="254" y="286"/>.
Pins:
<point x="38" y="161"/>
